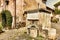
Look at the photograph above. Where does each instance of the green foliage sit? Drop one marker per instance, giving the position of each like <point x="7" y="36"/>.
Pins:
<point x="57" y="11"/>
<point x="1" y="27"/>
<point x="6" y="18"/>
<point x="57" y="4"/>
<point x="27" y="37"/>
<point x="54" y="20"/>
<point x="0" y="18"/>
<point x="39" y="38"/>
<point x="3" y="19"/>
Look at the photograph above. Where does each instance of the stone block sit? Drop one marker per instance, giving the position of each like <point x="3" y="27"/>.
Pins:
<point x="52" y="33"/>
<point x="32" y="30"/>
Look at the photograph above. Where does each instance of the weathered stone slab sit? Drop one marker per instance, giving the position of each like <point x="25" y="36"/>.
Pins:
<point x="30" y="5"/>
<point x="45" y="19"/>
<point x="33" y="16"/>
<point x="52" y="33"/>
<point x="33" y="33"/>
<point x="32" y="30"/>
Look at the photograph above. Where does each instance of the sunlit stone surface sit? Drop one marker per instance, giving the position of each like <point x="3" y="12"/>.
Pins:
<point x="59" y="7"/>
<point x="52" y="33"/>
<point x="45" y="19"/>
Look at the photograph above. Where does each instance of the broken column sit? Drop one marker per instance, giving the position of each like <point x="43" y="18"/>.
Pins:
<point x="32" y="30"/>
<point x="45" y="20"/>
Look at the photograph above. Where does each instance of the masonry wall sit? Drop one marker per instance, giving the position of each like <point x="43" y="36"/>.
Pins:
<point x="19" y="10"/>
<point x="45" y="19"/>
<point x="25" y="5"/>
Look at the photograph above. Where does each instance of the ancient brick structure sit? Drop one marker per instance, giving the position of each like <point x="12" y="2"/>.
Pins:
<point x="10" y="5"/>
<point x="21" y="7"/>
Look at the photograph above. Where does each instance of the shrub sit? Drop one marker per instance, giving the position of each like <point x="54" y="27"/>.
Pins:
<point x="57" y="4"/>
<point x="3" y="19"/>
<point x="57" y="11"/>
<point x="39" y="38"/>
<point x="6" y="18"/>
<point x="1" y="27"/>
<point x="54" y="20"/>
<point x="0" y="18"/>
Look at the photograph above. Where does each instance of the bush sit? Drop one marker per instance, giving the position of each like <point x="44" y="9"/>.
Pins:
<point x="54" y="20"/>
<point x="3" y="19"/>
<point x="39" y="38"/>
<point x="1" y="27"/>
<point x="6" y="18"/>
<point x="57" y="11"/>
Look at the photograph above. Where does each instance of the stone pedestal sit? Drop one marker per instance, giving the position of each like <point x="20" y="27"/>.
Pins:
<point x="45" y="19"/>
<point x="32" y="31"/>
<point x="52" y="33"/>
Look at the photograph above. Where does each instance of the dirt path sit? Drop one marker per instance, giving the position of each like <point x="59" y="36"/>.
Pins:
<point x="11" y="34"/>
<point x="57" y="27"/>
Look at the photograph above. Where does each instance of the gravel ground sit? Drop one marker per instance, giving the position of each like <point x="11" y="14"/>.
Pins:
<point x="16" y="34"/>
<point x="12" y="34"/>
<point x="57" y="27"/>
